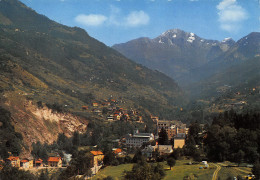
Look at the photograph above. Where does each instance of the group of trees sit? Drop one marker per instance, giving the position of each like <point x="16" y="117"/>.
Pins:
<point x="143" y="170"/>
<point x="13" y="173"/>
<point x="234" y="137"/>
<point x="10" y="141"/>
<point x="79" y="165"/>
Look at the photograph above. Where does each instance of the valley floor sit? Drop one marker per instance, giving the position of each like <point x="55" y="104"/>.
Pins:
<point x="180" y="170"/>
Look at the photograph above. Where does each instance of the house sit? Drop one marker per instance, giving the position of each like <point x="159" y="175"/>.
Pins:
<point x="179" y="140"/>
<point x="117" y="117"/>
<point x="24" y="163"/>
<point x="14" y="161"/>
<point x="84" y="107"/>
<point x="54" y="162"/>
<point x="117" y="151"/>
<point x="95" y="104"/>
<point x="164" y="149"/>
<point x="137" y="139"/>
<point x="98" y="158"/>
<point x="38" y="163"/>
<point x="97" y="161"/>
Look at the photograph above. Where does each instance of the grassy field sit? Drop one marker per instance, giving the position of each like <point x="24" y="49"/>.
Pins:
<point x="115" y="171"/>
<point x="182" y="169"/>
<point x="227" y="172"/>
<point x="178" y="172"/>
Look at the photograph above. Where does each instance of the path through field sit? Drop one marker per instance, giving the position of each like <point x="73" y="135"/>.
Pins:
<point x="215" y="174"/>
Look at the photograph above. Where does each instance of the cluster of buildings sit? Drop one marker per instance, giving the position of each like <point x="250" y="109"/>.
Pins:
<point x="176" y="131"/>
<point x="54" y="161"/>
<point x="113" y="112"/>
<point x="28" y="163"/>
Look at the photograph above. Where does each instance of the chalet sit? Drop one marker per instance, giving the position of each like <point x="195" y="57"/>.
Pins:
<point x="14" y="161"/>
<point x="54" y="162"/>
<point x="84" y="107"/>
<point x="98" y="157"/>
<point x="26" y="163"/>
<point x="38" y="163"/>
<point x="95" y="104"/>
<point x="117" y="151"/>
<point x="97" y="161"/>
<point x="117" y="117"/>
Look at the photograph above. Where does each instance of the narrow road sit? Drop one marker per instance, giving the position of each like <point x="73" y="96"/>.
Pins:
<point x="237" y="168"/>
<point x="244" y="171"/>
<point x="215" y="174"/>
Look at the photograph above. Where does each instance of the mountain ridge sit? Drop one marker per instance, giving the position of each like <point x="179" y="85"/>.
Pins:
<point x="174" y="52"/>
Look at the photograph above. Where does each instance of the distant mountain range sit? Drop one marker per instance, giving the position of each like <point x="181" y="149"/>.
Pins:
<point x="204" y="68"/>
<point x="188" y="58"/>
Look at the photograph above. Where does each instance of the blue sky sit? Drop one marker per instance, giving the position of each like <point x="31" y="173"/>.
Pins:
<point x="118" y="21"/>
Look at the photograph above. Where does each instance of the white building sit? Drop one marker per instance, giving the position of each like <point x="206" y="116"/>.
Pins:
<point x="137" y="139"/>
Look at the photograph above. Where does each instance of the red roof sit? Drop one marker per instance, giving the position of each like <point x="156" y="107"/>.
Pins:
<point x="13" y="158"/>
<point x="117" y="151"/>
<point x="95" y="153"/>
<point x="38" y="161"/>
<point x="54" y="159"/>
<point x="24" y="160"/>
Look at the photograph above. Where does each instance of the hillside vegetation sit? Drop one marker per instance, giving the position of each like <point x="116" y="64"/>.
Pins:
<point x="48" y="71"/>
<point x="55" y="63"/>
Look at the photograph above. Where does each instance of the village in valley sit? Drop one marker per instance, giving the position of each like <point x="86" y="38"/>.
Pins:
<point x="167" y="141"/>
<point x="148" y="143"/>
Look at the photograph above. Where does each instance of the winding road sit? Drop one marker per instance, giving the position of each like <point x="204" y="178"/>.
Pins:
<point x="215" y="174"/>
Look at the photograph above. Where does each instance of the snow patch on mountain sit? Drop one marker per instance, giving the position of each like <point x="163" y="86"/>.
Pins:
<point x="226" y="39"/>
<point x="191" y="38"/>
<point x="160" y="41"/>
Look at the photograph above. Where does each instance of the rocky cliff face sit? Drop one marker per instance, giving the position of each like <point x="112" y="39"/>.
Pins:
<point x="41" y="124"/>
